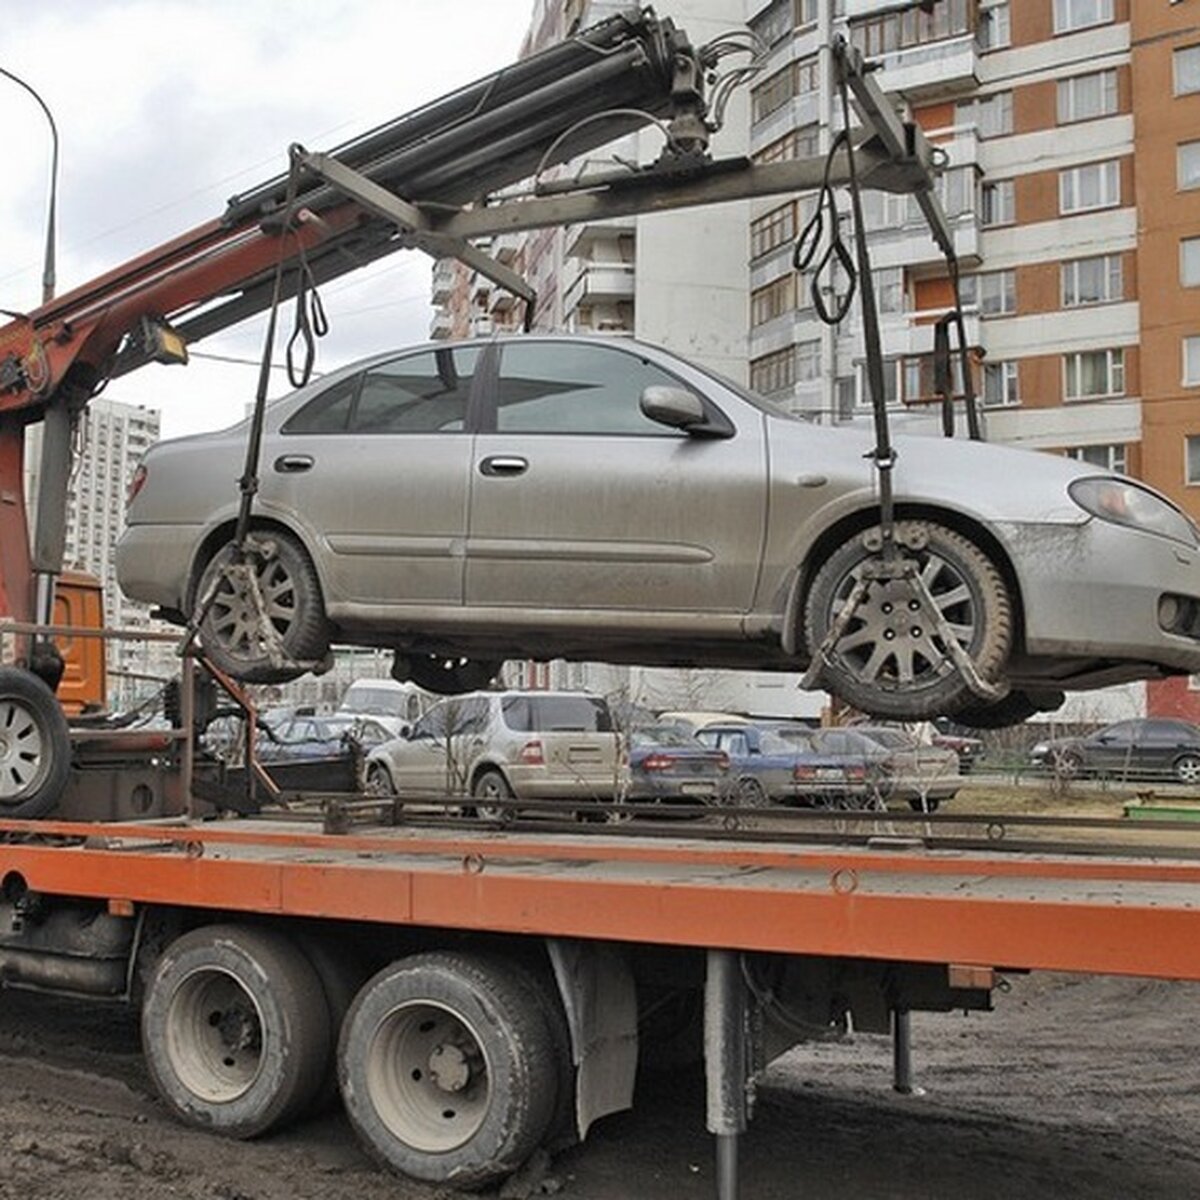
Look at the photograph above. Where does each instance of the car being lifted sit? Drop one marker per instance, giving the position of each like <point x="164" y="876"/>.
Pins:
<point x="541" y="496"/>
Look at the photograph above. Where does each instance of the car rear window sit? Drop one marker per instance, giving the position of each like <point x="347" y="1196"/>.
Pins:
<point x="547" y="714"/>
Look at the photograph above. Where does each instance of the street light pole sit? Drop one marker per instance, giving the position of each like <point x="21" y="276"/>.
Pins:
<point x="48" y="270"/>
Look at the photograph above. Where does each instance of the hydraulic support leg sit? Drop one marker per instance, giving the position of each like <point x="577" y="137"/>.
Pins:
<point x="726" y="1063"/>
<point x="902" y="1052"/>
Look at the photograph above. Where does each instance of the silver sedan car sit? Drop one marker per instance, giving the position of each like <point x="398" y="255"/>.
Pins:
<point x="548" y="497"/>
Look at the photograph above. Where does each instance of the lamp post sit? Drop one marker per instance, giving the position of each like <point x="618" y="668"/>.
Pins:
<point x="48" y="276"/>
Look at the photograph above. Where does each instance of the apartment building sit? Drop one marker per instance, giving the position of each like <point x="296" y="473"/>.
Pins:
<point x="111" y="441"/>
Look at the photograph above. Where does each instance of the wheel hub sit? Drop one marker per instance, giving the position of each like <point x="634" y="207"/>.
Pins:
<point x="449" y="1068"/>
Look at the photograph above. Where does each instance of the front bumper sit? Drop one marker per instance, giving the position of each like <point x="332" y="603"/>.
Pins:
<point x="1092" y="591"/>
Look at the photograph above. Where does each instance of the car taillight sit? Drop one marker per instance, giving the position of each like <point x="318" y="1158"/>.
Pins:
<point x="531" y="754"/>
<point x="722" y="761"/>
<point x="856" y="772"/>
<point x="658" y="762"/>
<point x="802" y="771"/>
<point x="136" y="483"/>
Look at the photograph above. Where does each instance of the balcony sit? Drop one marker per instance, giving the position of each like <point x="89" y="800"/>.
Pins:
<point x="482" y="326"/>
<point x="506" y="247"/>
<point x="582" y="239"/>
<point x="923" y="55"/>
<point x="443" y="280"/>
<point x="599" y="283"/>
<point x="502" y="301"/>
<point x="442" y="326"/>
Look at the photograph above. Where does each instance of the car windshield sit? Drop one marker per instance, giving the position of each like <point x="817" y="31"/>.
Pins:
<point x="661" y="735"/>
<point x="789" y="741"/>
<point x="378" y="702"/>
<point x="548" y="714"/>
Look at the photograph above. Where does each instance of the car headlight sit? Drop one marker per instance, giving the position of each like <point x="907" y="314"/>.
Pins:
<point x="1126" y="503"/>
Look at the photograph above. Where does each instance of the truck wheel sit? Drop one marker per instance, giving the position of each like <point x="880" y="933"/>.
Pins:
<point x="35" y="747"/>
<point x="291" y="593"/>
<point x="890" y="661"/>
<point x="447" y="1069"/>
<point x="235" y="1029"/>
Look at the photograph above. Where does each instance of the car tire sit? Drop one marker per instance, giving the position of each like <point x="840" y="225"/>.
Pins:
<point x="928" y="806"/>
<point x="1012" y="710"/>
<point x="35" y="746"/>
<point x="1187" y="768"/>
<point x="448" y="1069"/>
<point x="887" y="663"/>
<point x="491" y="794"/>
<point x="1066" y="764"/>
<point x="750" y="794"/>
<point x="379" y="780"/>
<point x="292" y="593"/>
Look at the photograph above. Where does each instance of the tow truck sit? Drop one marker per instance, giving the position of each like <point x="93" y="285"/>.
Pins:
<point x="476" y="990"/>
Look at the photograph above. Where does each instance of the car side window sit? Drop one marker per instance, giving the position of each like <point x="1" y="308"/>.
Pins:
<point x="431" y="725"/>
<point x="421" y="393"/>
<point x="328" y="412"/>
<point x="571" y="388"/>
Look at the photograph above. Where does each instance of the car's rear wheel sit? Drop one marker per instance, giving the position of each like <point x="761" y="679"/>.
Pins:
<point x="890" y="659"/>
<point x="492" y="794"/>
<point x="235" y="637"/>
<point x="750" y="794"/>
<point x="1187" y="768"/>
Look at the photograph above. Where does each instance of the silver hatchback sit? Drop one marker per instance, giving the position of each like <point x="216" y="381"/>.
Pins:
<point x="601" y="499"/>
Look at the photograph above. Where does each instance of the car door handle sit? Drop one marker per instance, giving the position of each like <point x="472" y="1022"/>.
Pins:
<point x="293" y="464"/>
<point x="503" y="464"/>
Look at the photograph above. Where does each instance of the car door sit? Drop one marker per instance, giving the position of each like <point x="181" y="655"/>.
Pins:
<point x="580" y="502"/>
<point x="376" y="470"/>
<point x="420" y="764"/>
<point x="1160" y="743"/>
<point x="1112" y="749"/>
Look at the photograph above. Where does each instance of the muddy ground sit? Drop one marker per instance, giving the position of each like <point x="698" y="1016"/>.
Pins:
<point x="1073" y="1088"/>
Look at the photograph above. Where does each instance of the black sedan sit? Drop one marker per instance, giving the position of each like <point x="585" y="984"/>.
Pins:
<point x="1144" y="748"/>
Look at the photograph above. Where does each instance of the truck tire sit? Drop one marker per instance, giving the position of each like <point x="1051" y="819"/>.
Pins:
<point x="291" y="593"/>
<point x="235" y="1029"/>
<point x="447" y="1069"/>
<point x="889" y="660"/>
<point x="35" y="746"/>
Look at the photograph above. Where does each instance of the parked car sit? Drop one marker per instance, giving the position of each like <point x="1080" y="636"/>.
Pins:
<point x="924" y="775"/>
<point x="796" y="765"/>
<point x="493" y="747"/>
<point x="666" y="763"/>
<point x="585" y="498"/>
<point x="1145" y="748"/>
<point x="953" y="737"/>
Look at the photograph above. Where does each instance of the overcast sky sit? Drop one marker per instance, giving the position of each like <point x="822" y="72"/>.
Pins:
<point x="166" y="108"/>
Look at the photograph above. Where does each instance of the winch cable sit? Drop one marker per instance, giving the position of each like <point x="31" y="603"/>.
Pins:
<point x="248" y="483"/>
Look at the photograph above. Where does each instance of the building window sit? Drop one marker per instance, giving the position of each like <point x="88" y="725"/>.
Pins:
<point x="796" y="143"/>
<point x="1001" y="384"/>
<point x="994" y="293"/>
<point x="847" y="397"/>
<point x="995" y="27"/>
<point x="1096" y="280"/>
<point x="998" y="203"/>
<point x="1085" y="97"/>
<point x="1187" y="70"/>
<point x="806" y="12"/>
<point x="796" y="79"/>
<point x="1189" y="262"/>
<point x="775" y="24"/>
<point x="1107" y="458"/>
<point x="808" y="361"/>
<point x="889" y="289"/>
<point x="1189" y="165"/>
<point x="772" y="230"/>
<point x="991" y="115"/>
<point x="777" y="298"/>
<point x="892" y="368"/>
<point x="1096" y="185"/>
<point x="1095" y="373"/>
<point x="774" y="372"/>
<point x="1191" y="361"/>
<point x="911" y="27"/>
<point x="1070" y="15"/>
<point x="1192" y="461"/>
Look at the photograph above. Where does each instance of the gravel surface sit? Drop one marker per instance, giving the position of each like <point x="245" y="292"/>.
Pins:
<point x="1074" y="1087"/>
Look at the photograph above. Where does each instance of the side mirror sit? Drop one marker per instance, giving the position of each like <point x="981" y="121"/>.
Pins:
<point x="676" y="407"/>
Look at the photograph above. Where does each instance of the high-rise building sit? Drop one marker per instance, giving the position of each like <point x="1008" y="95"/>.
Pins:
<point x="112" y="438"/>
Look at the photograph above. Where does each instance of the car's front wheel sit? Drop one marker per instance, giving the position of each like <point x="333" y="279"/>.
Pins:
<point x="891" y="658"/>
<point x="263" y="621"/>
<point x="1187" y="768"/>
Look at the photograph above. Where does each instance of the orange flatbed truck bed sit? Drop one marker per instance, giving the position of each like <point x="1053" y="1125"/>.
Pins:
<point x="568" y="944"/>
